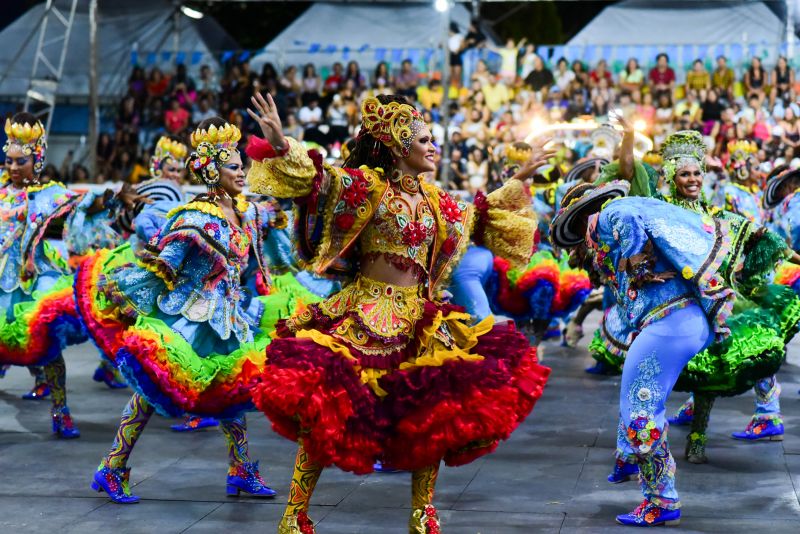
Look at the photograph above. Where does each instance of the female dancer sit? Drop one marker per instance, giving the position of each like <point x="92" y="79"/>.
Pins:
<point x="670" y="270"/>
<point x="37" y="309"/>
<point x="382" y="369"/>
<point x="178" y="321"/>
<point x="753" y="353"/>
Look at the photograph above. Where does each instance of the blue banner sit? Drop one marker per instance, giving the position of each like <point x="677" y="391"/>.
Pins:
<point x="134" y="57"/>
<point x="180" y="58"/>
<point x="314" y="48"/>
<point x="197" y="57"/>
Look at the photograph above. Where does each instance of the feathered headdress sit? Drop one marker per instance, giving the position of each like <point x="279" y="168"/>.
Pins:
<point x="394" y="124"/>
<point x="166" y="149"/>
<point x="30" y="139"/>
<point x="212" y="148"/>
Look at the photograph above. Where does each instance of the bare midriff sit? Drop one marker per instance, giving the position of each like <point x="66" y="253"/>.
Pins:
<point x="380" y="269"/>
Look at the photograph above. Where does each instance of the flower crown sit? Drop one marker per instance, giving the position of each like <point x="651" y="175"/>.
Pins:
<point x="212" y="147"/>
<point x="680" y="149"/>
<point x="394" y="124"/>
<point x="166" y="149"/>
<point x="30" y="139"/>
<point x="518" y="152"/>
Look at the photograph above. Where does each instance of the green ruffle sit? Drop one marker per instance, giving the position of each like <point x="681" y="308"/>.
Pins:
<point x="16" y="334"/>
<point x="753" y="350"/>
<point x="782" y="301"/>
<point x="598" y="350"/>
<point x="761" y="260"/>
<point x="287" y="295"/>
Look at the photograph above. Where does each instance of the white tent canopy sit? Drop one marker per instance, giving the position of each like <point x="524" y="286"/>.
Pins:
<point x="144" y="28"/>
<point x="367" y="33"/>
<point x="636" y="22"/>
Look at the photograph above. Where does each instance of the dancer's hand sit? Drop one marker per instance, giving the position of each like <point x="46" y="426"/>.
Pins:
<point x="130" y="198"/>
<point x="539" y="157"/>
<point x="266" y="115"/>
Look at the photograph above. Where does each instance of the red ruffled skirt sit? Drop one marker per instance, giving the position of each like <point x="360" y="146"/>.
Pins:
<point x="378" y="372"/>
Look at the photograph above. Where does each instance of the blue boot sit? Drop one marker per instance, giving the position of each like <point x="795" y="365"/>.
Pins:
<point x="381" y="467"/>
<point x="648" y="514"/>
<point x="40" y="391"/>
<point x="762" y="429"/>
<point x="623" y="472"/>
<point x="191" y="423"/>
<point x="245" y="478"/>
<point x="685" y="414"/>
<point x="109" y="378"/>
<point x="63" y="425"/>
<point x="115" y="482"/>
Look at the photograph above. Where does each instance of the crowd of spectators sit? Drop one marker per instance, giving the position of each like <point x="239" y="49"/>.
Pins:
<point x="492" y="103"/>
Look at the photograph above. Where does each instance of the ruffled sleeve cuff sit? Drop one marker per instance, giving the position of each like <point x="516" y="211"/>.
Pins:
<point x="506" y="224"/>
<point x="288" y="174"/>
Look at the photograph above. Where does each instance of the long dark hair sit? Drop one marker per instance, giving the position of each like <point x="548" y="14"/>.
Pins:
<point x="368" y="150"/>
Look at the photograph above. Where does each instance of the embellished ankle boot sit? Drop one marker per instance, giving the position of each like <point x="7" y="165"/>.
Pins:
<point x="298" y="523"/>
<point x="684" y="415"/>
<point x="648" y="514"/>
<point x="623" y="472"/>
<point x="245" y="477"/>
<point x="762" y="429"/>
<point x="424" y="520"/>
<point x="109" y="377"/>
<point x="115" y="482"/>
<point x="63" y="425"/>
<point x="193" y="422"/>
<point x="40" y="391"/>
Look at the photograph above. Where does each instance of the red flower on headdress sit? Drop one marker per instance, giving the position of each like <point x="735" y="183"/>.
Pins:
<point x="344" y="221"/>
<point x="449" y="208"/>
<point x="414" y="234"/>
<point x="356" y="193"/>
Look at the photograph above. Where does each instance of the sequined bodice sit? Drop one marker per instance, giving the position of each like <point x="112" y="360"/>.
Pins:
<point x="399" y="231"/>
<point x="240" y="247"/>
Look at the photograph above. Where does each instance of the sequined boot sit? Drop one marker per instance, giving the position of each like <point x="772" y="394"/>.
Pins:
<point x="424" y="520"/>
<point x="623" y="472"/>
<point x="684" y="415"/>
<point x="63" y="425"/>
<point x="298" y="523"/>
<point x="761" y="429"/>
<point x="245" y="477"/>
<point x="109" y="377"/>
<point x="648" y="514"/>
<point x="115" y="482"/>
<point x="39" y="392"/>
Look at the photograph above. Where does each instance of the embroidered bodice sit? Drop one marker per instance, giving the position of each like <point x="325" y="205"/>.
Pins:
<point x="402" y="233"/>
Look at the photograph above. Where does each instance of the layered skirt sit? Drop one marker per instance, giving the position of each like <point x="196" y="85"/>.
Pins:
<point x="760" y="328"/>
<point x="35" y="327"/>
<point x="179" y="366"/>
<point x="378" y="372"/>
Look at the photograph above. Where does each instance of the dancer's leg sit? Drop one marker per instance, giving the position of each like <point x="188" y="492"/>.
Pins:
<point x="55" y="374"/>
<point x="424" y="518"/>
<point x="243" y="475"/>
<point x="304" y="480"/>
<point x="766" y="422"/>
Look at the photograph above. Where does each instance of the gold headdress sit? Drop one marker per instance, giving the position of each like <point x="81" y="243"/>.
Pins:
<point x="166" y="149"/>
<point x="31" y="140"/>
<point x="394" y="124"/>
<point x="519" y="152"/>
<point x="740" y="153"/>
<point x="212" y="147"/>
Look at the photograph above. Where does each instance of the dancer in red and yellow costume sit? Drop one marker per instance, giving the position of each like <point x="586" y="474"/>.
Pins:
<point x="383" y="370"/>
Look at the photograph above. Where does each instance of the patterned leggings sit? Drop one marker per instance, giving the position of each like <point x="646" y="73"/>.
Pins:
<point x="55" y="374"/>
<point x="656" y="358"/>
<point x="138" y="412"/>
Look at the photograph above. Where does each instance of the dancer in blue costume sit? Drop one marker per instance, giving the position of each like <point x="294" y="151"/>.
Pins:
<point x="180" y="321"/>
<point x="667" y="270"/>
<point x="37" y="310"/>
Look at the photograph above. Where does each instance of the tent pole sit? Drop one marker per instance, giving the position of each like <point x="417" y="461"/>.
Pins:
<point x="444" y="163"/>
<point x="93" y="119"/>
<point x="790" y="14"/>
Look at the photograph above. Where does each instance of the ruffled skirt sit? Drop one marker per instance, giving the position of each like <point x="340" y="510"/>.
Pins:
<point x="179" y="366"/>
<point x="36" y="327"/>
<point x="379" y="372"/>
<point x="547" y="289"/>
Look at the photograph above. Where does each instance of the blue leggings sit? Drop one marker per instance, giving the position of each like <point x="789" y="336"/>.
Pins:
<point x="468" y="284"/>
<point x="655" y="360"/>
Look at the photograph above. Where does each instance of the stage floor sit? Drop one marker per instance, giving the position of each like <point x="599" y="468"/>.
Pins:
<point x="549" y="477"/>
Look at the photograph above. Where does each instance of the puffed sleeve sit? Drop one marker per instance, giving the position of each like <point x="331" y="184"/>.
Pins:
<point x="290" y="173"/>
<point x="505" y="223"/>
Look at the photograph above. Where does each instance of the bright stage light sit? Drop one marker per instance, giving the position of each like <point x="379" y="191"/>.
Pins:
<point x="191" y="13"/>
<point x="640" y="125"/>
<point x="441" y="5"/>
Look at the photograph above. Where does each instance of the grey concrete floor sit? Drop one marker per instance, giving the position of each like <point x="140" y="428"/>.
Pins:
<point x="549" y="477"/>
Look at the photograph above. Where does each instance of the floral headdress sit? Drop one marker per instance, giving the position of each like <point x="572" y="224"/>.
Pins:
<point x="680" y="149"/>
<point x="166" y="149"/>
<point x="30" y="139"/>
<point x="516" y="154"/>
<point x="740" y="153"/>
<point x="212" y="148"/>
<point x="394" y="124"/>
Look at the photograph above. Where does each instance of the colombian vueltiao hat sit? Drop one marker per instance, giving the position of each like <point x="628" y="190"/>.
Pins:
<point x="575" y="202"/>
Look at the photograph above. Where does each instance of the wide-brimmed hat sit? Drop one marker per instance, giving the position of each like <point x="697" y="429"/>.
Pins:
<point x="576" y="172"/>
<point x="578" y="200"/>
<point x="775" y="180"/>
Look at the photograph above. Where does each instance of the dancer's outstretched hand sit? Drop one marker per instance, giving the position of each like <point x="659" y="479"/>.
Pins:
<point x="266" y="115"/>
<point x="539" y="156"/>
